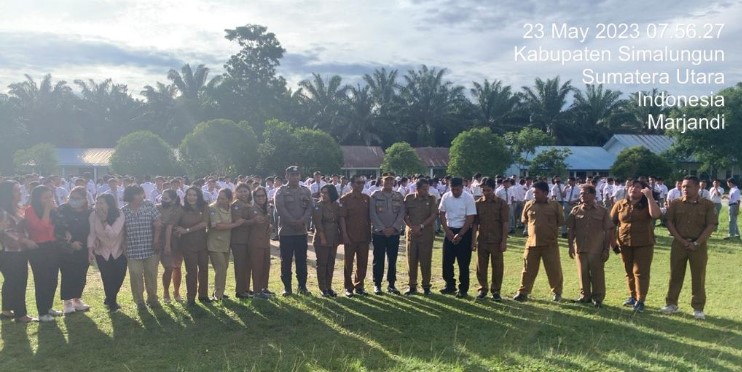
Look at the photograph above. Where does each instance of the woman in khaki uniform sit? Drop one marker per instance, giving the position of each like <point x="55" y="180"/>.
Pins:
<point x="220" y="232"/>
<point x="259" y="242"/>
<point x="239" y="240"/>
<point x="634" y="219"/>
<point x="171" y="258"/>
<point x="326" y="216"/>
<point x="191" y="228"/>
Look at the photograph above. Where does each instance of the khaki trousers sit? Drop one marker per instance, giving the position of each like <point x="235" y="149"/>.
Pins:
<point x="197" y="272"/>
<point x="353" y="251"/>
<point x="419" y="252"/>
<point x="637" y="262"/>
<point x="486" y="254"/>
<point x="679" y="259"/>
<point x="532" y="258"/>
<point x="259" y="263"/>
<point x="220" y="263"/>
<point x="325" y="265"/>
<point x="143" y="274"/>
<point x="241" y="268"/>
<point x="591" y="273"/>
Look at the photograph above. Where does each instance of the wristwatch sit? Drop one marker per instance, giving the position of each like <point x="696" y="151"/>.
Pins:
<point x="188" y="229"/>
<point x="695" y="243"/>
<point x="422" y="226"/>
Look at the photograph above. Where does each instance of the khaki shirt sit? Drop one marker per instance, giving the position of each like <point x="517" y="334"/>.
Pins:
<point x="491" y="214"/>
<point x="635" y="226"/>
<point x="326" y="217"/>
<point x="293" y="204"/>
<point x="240" y="234"/>
<point x="420" y="209"/>
<point x="195" y="240"/>
<point x="543" y="221"/>
<point x="691" y="217"/>
<point x="218" y="240"/>
<point x="387" y="210"/>
<point x="170" y="216"/>
<point x="354" y="209"/>
<point x="590" y="222"/>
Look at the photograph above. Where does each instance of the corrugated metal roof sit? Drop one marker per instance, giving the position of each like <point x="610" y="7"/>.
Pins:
<point x="362" y="157"/>
<point x="655" y="143"/>
<point x="79" y="157"/>
<point x="433" y="157"/>
<point x="584" y="158"/>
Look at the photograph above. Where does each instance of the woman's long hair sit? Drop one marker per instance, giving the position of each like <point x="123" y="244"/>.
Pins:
<point x="262" y="189"/>
<point x="113" y="211"/>
<point x="36" y="194"/>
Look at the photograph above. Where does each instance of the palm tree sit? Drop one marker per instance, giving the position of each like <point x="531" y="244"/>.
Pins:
<point x="361" y="123"/>
<point x="430" y="107"/>
<point x="496" y="105"/>
<point x="323" y="101"/>
<point x="597" y="112"/>
<point x="636" y="114"/>
<point x="545" y="102"/>
<point x="45" y="111"/>
<point x="108" y="111"/>
<point x="162" y="114"/>
<point x="192" y="85"/>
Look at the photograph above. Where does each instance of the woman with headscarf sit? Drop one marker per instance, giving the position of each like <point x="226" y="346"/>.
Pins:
<point x="259" y="245"/>
<point x="220" y="232"/>
<point x="326" y="217"/>
<point x="171" y="258"/>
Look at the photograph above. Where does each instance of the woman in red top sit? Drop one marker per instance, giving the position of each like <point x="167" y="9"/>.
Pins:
<point x="13" y="253"/>
<point x="39" y="224"/>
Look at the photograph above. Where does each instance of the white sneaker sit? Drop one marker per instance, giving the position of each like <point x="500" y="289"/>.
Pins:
<point x="698" y="314"/>
<point x="670" y="309"/>
<point x="79" y="305"/>
<point x="46" y="318"/>
<point x="53" y="312"/>
<point x="69" y="307"/>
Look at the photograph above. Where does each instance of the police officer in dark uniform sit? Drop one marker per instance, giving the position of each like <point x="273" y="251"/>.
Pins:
<point x="294" y="208"/>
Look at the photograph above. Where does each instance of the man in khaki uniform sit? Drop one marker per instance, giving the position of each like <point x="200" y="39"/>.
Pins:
<point x="590" y="233"/>
<point x="492" y="224"/>
<point x="355" y="227"/>
<point x="691" y="220"/>
<point x="421" y="212"/>
<point x="543" y="218"/>
<point x="294" y="206"/>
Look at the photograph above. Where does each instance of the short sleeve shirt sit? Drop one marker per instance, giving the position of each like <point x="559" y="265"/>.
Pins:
<point x="456" y="209"/>
<point x="354" y="209"/>
<point x="543" y="221"/>
<point x="635" y="226"/>
<point x="218" y="240"/>
<point x="691" y="217"/>
<point x="139" y="230"/>
<point x="491" y="214"/>
<point x="590" y="224"/>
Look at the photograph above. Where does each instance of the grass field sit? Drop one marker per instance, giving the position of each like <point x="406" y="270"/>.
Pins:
<point x="399" y="333"/>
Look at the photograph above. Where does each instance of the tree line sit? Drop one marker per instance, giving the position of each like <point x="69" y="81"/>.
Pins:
<point x="420" y="106"/>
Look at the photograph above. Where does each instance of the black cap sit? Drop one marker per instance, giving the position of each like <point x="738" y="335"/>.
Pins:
<point x="293" y="169"/>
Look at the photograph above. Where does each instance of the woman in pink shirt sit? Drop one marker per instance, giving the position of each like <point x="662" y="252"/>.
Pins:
<point x="39" y="224"/>
<point x="106" y="247"/>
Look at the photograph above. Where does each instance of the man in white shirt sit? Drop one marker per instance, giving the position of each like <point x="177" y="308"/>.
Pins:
<point x="607" y="193"/>
<point x="733" y="209"/>
<point x="210" y="190"/>
<point x="403" y="188"/>
<point x="716" y="193"/>
<point x="675" y="193"/>
<point x="476" y="187"/>
<point x="116" y="191"/>
<point x="457" y="211"/>
<point x="703" y="191"/>
<point x="156" y="195"/>
<point x="663" y="191"/>
<point x="557" y="189"/>
<point x="148" y="187"/>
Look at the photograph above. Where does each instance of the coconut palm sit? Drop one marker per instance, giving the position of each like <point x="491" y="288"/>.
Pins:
<point x="323" y="101"/>
<point x="545" y="102"/>
<point x="495" y="105"/>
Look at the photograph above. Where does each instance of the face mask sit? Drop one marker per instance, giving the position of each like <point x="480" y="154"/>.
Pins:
<point x="74" y="203"/>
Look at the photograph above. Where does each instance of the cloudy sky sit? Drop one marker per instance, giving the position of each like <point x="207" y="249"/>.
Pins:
<point x="137" y="41"/>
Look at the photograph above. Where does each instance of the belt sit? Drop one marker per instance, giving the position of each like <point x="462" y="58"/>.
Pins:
<point x="733" y="203"/>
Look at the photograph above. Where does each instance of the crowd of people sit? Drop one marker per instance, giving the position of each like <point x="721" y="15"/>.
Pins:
<point x="121" y="224"/>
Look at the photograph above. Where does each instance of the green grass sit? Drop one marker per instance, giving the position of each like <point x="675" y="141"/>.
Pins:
<point x="398" y="333"/>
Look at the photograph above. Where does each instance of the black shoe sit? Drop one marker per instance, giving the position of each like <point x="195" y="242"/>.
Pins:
<point x="496" y="297"/>
<point x="287" y="292"/>
<point x="411" y="291"/>
<point x="377" y="290"/>
<point x="564" y="235"/>
<point x="205" y="300"/>
<point x="481" y="295"/>
<point x="361" y="292"/>
<point x="521" y="297"/>
<point x="266" y="292"/>
<point x="448" y="291"/>
<point x="556" y="297"/>
<point x="639" y="306"/>
<point x="114" y="307"/>
<point x="304" y="291"/>
<point x="224" y="296"/>
<point x="325" y="293"/>
<point x="598" y="304"/>
<point x="242" y="295"/>
<point x="191" y="302"/>
<point x="462" y="295"/>
<point x="426" y="291"/>
<point x="583" y="300"/>
<point x="392" y="290"/>
<point x="349" y="293"/>
<point x="154" y="304"/>
<point x="525" y="234"/>
<point x="332" y="293"/>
